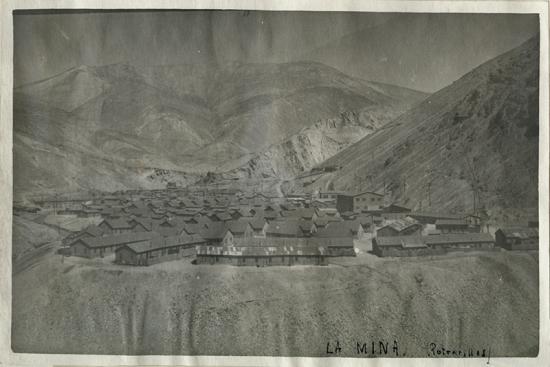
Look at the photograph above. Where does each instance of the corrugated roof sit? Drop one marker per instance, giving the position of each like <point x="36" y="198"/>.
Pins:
<point x="402" y="224"/>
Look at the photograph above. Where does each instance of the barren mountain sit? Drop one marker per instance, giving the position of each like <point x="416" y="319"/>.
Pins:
<point x="476" y="138"/>
<point x="114" y="127"/>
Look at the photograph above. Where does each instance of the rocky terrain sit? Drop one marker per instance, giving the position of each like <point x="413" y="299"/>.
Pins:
<point x="476" y="139"/>
<point x="113" y="127"/>
<point x="180" y="308"/>
<point x="29" y="235"/>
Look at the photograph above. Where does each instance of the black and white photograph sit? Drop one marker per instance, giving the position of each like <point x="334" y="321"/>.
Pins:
<point x="275" y="183"/>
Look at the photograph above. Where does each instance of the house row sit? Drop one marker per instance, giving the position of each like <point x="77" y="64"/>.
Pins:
<point x="156" y="250"/>
<point x="418" y="245"/>
<point x="265" y="252"/>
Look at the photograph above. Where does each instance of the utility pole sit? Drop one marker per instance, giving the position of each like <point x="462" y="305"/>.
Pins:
<point x="429" y="196"/>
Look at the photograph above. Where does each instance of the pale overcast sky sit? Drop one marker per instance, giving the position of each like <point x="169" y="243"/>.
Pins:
<point x="419" y="51"/>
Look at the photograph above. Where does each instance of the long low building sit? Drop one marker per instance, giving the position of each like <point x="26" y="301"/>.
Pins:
<point x="517" y="238"/>
<point x="265" y="252"/>
<point x="158" y="250"/>
<point x="417" y="245"/>
<point x="102" y="246"/>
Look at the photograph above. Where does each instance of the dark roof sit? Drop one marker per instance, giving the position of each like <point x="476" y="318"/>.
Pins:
<point x="160" y="243"/>
<point x="306" y="213"/>
<point x="93" y="230"/>
<point x="403" y="241"/>
<point x="116" y="240"/>
<point x="423" y="241"/>
<point x="214" y="231"/>
<point x="459" y="238"/>
<point x="334" y="230"/>
<point x="396" y="208"/>
<point x="434" y="215"/>
<point x="147" y="223"/>
<point x="451" y="222"/>
<point x="118" y="223"/>
<point x="368" y="192"/>
<point x="256" y="223"/>
<point x="236" y="226"/>
<point x="284" y="228"/>
<point x="520" y="232"/>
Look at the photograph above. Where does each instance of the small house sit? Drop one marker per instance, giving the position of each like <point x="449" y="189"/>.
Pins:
<point x="400" y="227"/>
<point x="517" y="238"/>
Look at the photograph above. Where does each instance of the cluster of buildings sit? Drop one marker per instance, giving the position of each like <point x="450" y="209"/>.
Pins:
<point x="232" y="227"/>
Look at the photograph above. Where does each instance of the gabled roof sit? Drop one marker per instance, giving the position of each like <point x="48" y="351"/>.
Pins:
<point x="93" y="230"/>
<point x="257" y="224"/>
<point x="116" y="240"/>
<point x="306" y="225"/>
<point x="118" y="223"/>
<point x="353" y="225"/>
<point x="214" y="231"/>
<point x="402" y="224"/>
<point x="237" y="226"/>
<point x="147" y="223"/>
<point x="194" y="228"/>
<point x="284" y="228"/>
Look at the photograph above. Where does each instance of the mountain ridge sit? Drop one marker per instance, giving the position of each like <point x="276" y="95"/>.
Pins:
<point x="189" y="118"/>
<point x="450" y="149"/>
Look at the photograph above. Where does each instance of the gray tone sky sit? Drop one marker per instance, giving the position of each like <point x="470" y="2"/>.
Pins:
<point x="419" y="51"/>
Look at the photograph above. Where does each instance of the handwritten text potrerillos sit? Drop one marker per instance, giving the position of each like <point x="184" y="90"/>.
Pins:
<point x="439" y="350"/>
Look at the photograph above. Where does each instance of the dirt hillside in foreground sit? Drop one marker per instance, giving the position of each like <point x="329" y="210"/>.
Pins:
<point x="478" y="301"/>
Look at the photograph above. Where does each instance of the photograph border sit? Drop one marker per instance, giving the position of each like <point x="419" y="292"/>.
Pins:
<point x="9" y="358"/>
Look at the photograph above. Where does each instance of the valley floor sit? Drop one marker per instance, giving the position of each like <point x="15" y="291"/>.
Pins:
<point x="474" y="300"/>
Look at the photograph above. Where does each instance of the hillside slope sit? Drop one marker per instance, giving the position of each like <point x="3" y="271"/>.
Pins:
<point x="123" y="122"/>
<point x="476" y="138"/>
<point x="179" y="308"/>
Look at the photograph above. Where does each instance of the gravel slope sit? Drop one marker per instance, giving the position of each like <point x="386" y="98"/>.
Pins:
<point x="81" y="306"/>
